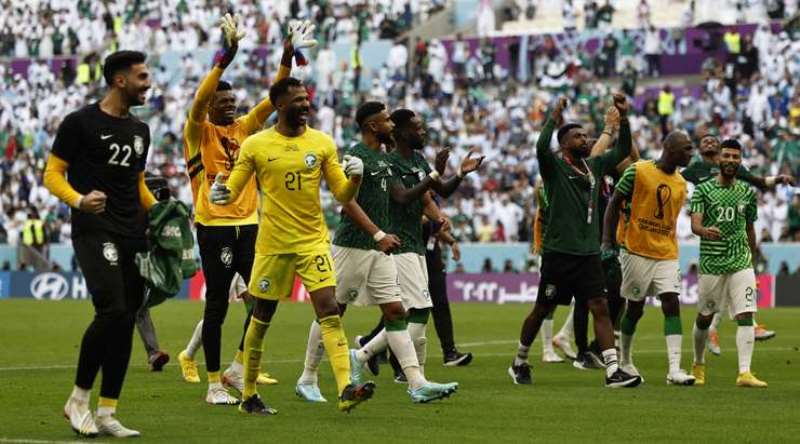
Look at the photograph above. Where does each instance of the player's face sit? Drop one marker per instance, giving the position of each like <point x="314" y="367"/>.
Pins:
<point x="682" y="151"/>
<point x="296" y="106"/>
<point x="729" y="161"/>
<point x="417" y="134"/>
<point x="382" y="125"/>
<point x="136" y="82"/>
<point x="709" y="146"/>
<point x="578" y="142"/>
<point x="223" y="107"/>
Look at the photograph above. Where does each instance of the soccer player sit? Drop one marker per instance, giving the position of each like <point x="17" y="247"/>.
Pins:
<point x="97" y="167"/>
<point x="365" y="273"/>
<point x="723" y="212"/>
<point x="571" y="244"/>
<point x="289" y="161"/>
<point x="656" y="192"/>
<point x="226" y="235"/>
<point x="706" y="168"/>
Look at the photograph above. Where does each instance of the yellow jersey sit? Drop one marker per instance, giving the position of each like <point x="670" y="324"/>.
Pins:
<point x="210" y="149"/>
<point x="289" y="171"/>
<point x="656" y="199"/>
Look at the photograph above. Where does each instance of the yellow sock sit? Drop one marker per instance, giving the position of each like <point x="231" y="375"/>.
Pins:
<point x="106" y="406"/>
<point x="336" y="346"/>
<point x="213" y="377"/>
<point x="239" y="358"/>
<point x="253" y="347"/>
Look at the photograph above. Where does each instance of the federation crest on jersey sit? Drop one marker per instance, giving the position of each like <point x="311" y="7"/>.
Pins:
<point x="226" y="256"/>
<point x="110" y="253"/>
<point x="550" y="291"/>
<point x="311" y="160"/>
<point x="138" y="145"/>
<point x="741" y="207"/>
<point x="264" y="284"/>
<point x="352" y="294"/>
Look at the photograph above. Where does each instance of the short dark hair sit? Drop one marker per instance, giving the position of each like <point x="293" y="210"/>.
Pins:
<point x="402" y="117"/>
<point x="562" y="132"/>
<point x="731" y="144"/>
<point x="121" y="61"/>
<point x="224" y="86"/>
<point x="367" y="110"/>
<point x="281" y="87"/>
<point x="712" y="135"/>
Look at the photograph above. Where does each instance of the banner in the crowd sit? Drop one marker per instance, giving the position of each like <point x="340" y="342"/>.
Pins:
<point x="503" y="288"/>
<point x="50" y="286"/>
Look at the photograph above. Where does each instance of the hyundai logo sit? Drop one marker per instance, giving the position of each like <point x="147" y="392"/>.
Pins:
<point x="50" y="286"/>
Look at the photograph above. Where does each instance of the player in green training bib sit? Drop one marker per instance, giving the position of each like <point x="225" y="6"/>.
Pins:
<point x="365" y="273"/>
<point x="723" y="213"/>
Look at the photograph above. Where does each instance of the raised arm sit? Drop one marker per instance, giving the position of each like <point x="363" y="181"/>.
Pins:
<point x="547" y="160"/>
<point x="468" y="165"/>
<point x="611" y="126"/>
<point x="623" y="148"/>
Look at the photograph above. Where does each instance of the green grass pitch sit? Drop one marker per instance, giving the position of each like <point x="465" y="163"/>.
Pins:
<point x="40" y="345"/>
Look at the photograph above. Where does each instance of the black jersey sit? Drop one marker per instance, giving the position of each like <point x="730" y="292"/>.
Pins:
<point x="105" y="153"/>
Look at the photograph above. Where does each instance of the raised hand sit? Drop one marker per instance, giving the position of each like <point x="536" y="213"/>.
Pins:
<point x="301" y="34"/>
<point x="621" y="103"/>
<point x="440" y="164"/>
<point x="470" y="164"/>
<point x="556" y="115"/>
<point x="612" y="119"/>
<point x="231" y="36"/>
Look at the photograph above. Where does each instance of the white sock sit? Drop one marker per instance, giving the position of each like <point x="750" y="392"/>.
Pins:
<point x="715" y="321"/>
<point x="567" y="330"/>
<point x="196" y="341"/>
<point x="214" y="386"/>
<point x="625" y="348"/>
<point x="674" y="352"/>
<point x="237" y="367"/>
<point x="106" y="411"/>
<point x="417" y="333"/>
<point x="403" y="349"/>
<point x="80" y="395"/>
<point x="373" y="347"/>
<point x="700" y="338"/>
<point x="522" y="354"/>
<point x="745" y="338"/>
<point x="314" y="352"/>
<point x="547" y="335"/>
<point x="610" y="359"/>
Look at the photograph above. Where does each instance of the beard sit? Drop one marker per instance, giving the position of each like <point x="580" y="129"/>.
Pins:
<point x="580" y="152"/>
<point x="725" y="166"/>
<point x="386" y="139"/>
<point x="295" y="116"/>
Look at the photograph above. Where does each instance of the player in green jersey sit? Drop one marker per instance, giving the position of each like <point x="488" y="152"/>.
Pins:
<point x="707" y="167"/>
<point x="365" y="273"/>
<point x="723" y="212"/>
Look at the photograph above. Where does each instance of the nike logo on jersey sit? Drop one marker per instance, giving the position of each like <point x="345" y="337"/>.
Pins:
<point x="105" y="136"/>
<point x="270" y="159"/>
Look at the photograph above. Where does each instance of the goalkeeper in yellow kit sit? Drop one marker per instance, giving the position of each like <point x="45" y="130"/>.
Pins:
<point x="289" y="161"/>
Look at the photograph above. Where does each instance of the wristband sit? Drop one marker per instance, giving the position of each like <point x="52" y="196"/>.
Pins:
<point x="770" y="181"/>
<point x="78" y="202"/>
<point x="610" y="134"/>
<point x="378" y="236"/>
<point x="434" y="175"/>
<point x="460" y="173"/>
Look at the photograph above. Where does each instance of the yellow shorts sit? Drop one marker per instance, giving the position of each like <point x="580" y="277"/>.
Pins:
<point x="273" y="275"/>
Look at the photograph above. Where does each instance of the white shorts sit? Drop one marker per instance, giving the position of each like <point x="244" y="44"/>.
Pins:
<point x="642" y="276"/>
<point x="364" y="277"/>
<point x="734" y="291"/>
<point x="412" y="273"/>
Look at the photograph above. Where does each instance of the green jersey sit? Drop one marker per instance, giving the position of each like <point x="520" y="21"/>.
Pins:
<point x="701" y="170"/>
<point x="729" y="208"/>
<point x="373" y="198"/>
<point x="573" y="216"/>
<point x="407" y="219"/>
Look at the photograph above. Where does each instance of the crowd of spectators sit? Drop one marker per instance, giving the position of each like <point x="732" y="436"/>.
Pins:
<point x="467" y="100"/>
